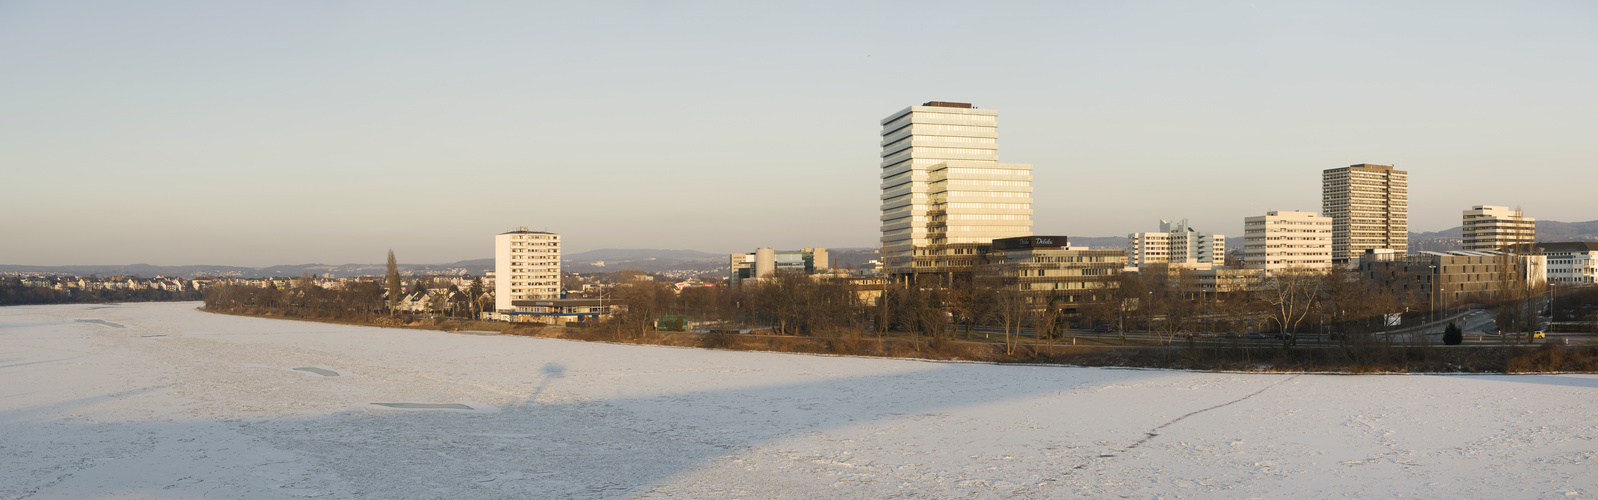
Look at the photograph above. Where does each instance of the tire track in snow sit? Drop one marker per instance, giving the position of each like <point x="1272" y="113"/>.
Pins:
<point x="1155" y="432"/>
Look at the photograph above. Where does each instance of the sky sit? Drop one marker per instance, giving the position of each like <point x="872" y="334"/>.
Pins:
<point x="263" y="133"/>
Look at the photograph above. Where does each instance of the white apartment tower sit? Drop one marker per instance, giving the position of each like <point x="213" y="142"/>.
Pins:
<point x="1495" y="228"/>
<point x="1369" y="207"/>
<point x="1176" y="243"/>
<point x="1283" y="239"/>
<point x="944" y="192"/>
<point x="526" y="267"/>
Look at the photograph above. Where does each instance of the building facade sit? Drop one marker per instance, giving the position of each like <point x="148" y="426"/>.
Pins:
<point x="1049" y="270"/>
<point x="562" y="311"/>
<point x="1449" y="279"/>
<point x="526" y="267"/>
<point x="1489" y="227"/>
<point x="1369" y="208"/>
<point x="1571" y="263"/>
<point x="944" y="193"/>
<point x="764" y="262"/>
<point x="1287" y="239"/>
<point x="1176" y="243"/>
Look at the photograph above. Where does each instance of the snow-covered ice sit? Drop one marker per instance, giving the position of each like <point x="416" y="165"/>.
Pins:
<point x="163" y="401"/>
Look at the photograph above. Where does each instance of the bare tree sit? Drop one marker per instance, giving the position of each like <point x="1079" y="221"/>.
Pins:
<point x="1290" y="295"/>
<point x="393" y="281"/>
<point x="1010" y="310"/>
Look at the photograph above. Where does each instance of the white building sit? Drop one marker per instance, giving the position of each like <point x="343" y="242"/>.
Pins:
<point x="1572" y="263"/>
<point x="1369" y="208"/>
<point x="944" y="191"/>
<point x="526" y="267"/>
<point x="1176" y="243"/>
<point x="1287" y="239"/>
<point x="1494" y="228"/>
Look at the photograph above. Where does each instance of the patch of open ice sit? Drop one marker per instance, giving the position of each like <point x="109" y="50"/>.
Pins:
<point x="318" y="371"/>
<point x="463" y="406"/>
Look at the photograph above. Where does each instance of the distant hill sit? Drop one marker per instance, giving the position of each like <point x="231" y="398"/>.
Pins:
<point x="474" y="267"/>
<point x="849" y="258"/>
<point x="644" y="259"/>
<point x="1099" y="242"/>
<point x="655" y="260"/>
<point x="1547" y="230"/>
<point x="141" y="270"/>
<point x="637" y="254"/>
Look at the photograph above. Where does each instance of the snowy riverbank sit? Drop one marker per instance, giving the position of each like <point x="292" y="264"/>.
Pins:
<point x="160" y="400"/>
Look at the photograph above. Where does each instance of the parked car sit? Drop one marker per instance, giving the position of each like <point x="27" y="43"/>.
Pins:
<point x="1104" y="329"/>
<point x="1283" y="336"/>
<point x="1184" y="334"/>
<point x="1257" y="336"/>
<point x="1229" y="335"/>
<point x="1206" y="334"/>
<point x="1538" y="335"/>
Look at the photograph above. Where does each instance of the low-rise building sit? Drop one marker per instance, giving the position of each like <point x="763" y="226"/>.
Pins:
<point x="1048" y="269"/>
<point x="1454" y="278"/>
<point x="562" y="311"/>
<point x="1571" y="263"/>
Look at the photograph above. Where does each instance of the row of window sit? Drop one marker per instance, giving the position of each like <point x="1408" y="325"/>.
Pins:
<point x="988" y="194"/>
<point x="941" y="138"/>
<point x="987" y="228"/>
<point x="988" y="217"/>
<point x="988" y="171"/>
<point x="998" y="206"/>
<point x="972" y="182"/>
<point x="923" y="150"/>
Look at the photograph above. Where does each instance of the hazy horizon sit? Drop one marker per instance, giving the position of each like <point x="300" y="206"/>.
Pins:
<point x="187" y="133"/>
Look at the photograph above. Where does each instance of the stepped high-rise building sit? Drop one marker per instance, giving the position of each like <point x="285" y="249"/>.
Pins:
<point x="526" y="268"/>
<point x="945" y="196"/>
<point x="1496" y="228"/>
<point x="1176" y="243"/>
<point x="1369" y="207"/>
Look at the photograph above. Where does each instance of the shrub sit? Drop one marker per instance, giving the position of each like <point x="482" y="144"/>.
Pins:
<point x="1453" y="335"/>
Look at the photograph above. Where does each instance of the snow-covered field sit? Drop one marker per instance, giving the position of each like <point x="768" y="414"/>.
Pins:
<point x="162" y="401"/>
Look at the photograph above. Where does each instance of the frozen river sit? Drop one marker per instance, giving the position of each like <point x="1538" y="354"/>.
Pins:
<point x="163" y="401"/>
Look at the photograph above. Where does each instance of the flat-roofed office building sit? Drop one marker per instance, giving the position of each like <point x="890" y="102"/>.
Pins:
<point x="1571" y="263"/>
<point x="1496" y="228"/>
<point x="1048" y="270"/>
<point x="1369" y="208"/>
<point x="1287" y="239"/>
<point x="1175" y="243"/>
<point x="945" y="196"/>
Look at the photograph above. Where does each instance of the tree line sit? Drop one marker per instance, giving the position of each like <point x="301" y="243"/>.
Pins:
<point x="358" y="300"/>
<point x="1169" y="304"/>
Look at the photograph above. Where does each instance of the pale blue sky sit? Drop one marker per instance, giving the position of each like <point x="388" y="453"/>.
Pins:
<point x="295" y="132"/>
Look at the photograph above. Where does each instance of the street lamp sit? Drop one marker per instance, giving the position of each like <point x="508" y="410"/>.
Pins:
<point x="1431" y="306"/>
